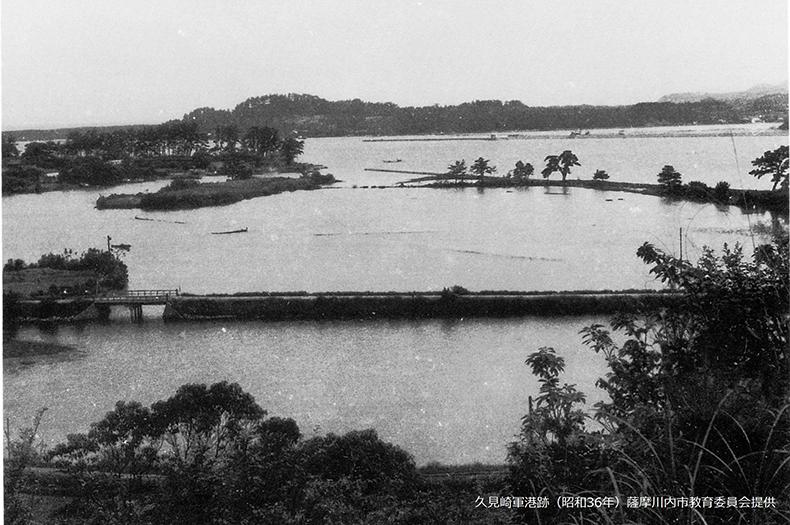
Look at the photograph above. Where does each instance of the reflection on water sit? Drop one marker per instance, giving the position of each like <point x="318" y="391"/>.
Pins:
<point x="450" y="391"/>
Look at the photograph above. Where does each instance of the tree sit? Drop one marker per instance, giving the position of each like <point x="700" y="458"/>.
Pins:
<point x="41" y="154"/>
<point x="772" y="163"/>
<point x="670" y="179"/>
<point x="722" y="192"/>
<point x="121" y="439"/>
<point x="261" y="140"/>
<point x="552" y="165"/>
<point x="226" y="138"/>
<point x="9" y="148"/>
<point x="566" y="161"/>
<point x="90" y="170"/>
<point x="600" y="175"/>
<point x="199" y="423"/>
<point x="456" y="170"/>
<point x="523" y="171"/>
<point x="290" y="148"/>
<point x="481" y="167"/>
<point x="235" y="168"/>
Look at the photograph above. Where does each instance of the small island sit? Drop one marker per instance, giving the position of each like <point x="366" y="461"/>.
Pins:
<point x="186" y="194"/>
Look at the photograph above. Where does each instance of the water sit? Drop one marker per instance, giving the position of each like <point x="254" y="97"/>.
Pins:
<point x="634" y="159"/>
<point x="412" y="239"/>
<point x="451" y="392"/>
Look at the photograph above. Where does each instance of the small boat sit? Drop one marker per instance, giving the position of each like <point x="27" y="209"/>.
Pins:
<point x="142" y="218"/>
<point x="243" y="230"/>
<point x="392" y="161"/>
<point x="124" y="247"/>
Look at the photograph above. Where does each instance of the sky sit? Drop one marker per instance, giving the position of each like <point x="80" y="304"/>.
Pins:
<point x="106" y="62"/>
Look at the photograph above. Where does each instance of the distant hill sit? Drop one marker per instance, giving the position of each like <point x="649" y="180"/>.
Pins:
<point x="312" y="116"/>
<point x="758" y="91"/>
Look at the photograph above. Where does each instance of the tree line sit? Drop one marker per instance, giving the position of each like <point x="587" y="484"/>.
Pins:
<point x="314" y="116"/>
<point x="773" y="164"/>
<point x="96" y="158"/>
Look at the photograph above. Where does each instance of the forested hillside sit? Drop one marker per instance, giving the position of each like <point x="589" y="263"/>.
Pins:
<point x="312" y="116"/>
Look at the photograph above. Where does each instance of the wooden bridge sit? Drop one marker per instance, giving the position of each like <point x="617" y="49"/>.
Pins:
<point x="135" y="299"/>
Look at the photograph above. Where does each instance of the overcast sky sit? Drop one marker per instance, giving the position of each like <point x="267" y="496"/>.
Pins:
<point x="85" y="62"/>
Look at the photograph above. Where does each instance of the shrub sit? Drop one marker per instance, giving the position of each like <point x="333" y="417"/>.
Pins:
<point x="600" y="175"/>
<point x="698" y="397"/>
<point x="722" y="192"/>
<point x="698" y="191"/>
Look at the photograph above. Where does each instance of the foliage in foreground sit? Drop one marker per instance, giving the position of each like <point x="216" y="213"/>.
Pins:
<point x="698" y="401"/>
<point x="210" y="454"/>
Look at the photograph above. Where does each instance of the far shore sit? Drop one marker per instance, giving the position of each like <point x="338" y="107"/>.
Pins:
<point x="633" y="133"/>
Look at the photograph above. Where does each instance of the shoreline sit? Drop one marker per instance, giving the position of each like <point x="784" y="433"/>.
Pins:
<point x="531" y="135"/>
<point x="747" y="200"/>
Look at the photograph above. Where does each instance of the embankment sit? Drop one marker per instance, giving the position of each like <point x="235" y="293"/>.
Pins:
<point x="58" y="310"/>
<point x="409" y="305"/>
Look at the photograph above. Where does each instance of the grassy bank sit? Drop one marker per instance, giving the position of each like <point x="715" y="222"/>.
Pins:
<point x="199" y="195"/>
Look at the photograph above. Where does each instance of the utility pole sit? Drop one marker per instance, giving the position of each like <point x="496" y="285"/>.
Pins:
<point x="681" y="244"/>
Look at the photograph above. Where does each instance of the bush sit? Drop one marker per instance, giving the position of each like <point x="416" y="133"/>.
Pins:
<point x="722" y="192"/>
<point x="600" y="175"/>
<point x="698" y="397"/>
<point x="698" y="191"/>
<point x="90" y="170"/>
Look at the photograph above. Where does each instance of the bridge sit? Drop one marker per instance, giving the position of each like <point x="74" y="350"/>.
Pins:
<point x="138" y="297"/>
<point x="135" y="299"/>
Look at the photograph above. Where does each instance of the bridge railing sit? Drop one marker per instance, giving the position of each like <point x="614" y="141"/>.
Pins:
<point x="138" y="295"/>
<point x="148" y="293"/>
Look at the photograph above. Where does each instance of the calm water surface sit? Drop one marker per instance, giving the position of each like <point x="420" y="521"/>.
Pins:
<point x="445" y="391"/>
<point x="450" y="392"/>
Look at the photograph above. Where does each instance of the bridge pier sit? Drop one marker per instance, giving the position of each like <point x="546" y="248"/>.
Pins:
<point x="136" y="312"/>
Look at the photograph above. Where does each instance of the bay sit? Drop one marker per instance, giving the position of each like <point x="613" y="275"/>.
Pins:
<point x="446" y="391"/>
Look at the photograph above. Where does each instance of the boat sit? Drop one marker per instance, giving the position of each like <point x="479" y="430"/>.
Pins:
<point x="392" y="161"/>
<point x="124" y="247"/>
<point x="243" y="230"/>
